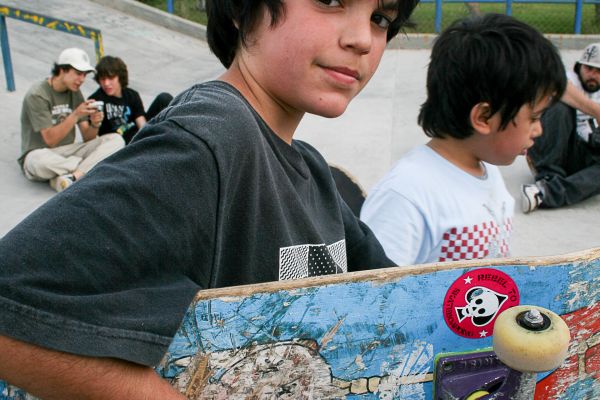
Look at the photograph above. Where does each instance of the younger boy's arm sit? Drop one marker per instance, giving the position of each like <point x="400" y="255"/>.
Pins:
<point x="575" y="98"/>
<point x="50" y="374"/>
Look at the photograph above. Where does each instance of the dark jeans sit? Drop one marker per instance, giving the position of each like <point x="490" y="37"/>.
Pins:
<point x="568" y="168"/>
<point x="160" y="102"/>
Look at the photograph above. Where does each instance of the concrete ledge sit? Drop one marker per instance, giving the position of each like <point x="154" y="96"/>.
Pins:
<point x="156" y="16"/>
<point x="402" y="41"/>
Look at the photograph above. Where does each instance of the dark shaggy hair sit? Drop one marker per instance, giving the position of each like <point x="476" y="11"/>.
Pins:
<point x="110" y="66"/>
<point x="223" y="36"/>
<point x="494" y="59"/>
<point x="57" y="68"/>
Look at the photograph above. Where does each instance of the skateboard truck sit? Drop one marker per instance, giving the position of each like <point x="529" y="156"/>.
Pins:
<point x="526" y="340"/>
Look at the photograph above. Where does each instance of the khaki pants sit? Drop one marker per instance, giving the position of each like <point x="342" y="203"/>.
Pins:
<point x="47" y="163"/>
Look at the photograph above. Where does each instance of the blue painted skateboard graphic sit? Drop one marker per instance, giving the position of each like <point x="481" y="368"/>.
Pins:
<point x="375" y="334"/>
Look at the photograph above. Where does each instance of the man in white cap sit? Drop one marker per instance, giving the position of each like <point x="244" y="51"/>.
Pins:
<point x="51" y="109"/>
<point x="566" y="158"/>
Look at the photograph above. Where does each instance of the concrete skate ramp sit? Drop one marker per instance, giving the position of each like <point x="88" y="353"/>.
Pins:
<point x="378" y="127"/>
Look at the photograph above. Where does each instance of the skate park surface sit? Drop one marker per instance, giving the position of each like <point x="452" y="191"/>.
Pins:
<point x="378" y="127"/>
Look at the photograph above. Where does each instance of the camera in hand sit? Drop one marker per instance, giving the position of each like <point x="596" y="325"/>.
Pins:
<point x="98" y="105"/>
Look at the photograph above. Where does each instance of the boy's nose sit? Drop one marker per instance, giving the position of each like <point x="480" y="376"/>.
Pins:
<point x="538" y="129"/>
<point x="357" y="35"/>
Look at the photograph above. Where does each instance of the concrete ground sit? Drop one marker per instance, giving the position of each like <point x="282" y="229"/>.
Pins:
<point x="378" y="127"/>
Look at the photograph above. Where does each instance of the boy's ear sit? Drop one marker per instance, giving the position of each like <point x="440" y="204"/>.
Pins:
<point x="480" y="118"/>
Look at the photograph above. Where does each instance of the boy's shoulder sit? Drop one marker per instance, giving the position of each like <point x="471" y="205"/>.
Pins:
<point x="39" y="88"/>
<point x="214" y="111"/>
<point x="415" y="164"/>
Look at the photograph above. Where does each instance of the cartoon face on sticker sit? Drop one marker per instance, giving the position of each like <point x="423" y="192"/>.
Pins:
<point x="476" y="298"/>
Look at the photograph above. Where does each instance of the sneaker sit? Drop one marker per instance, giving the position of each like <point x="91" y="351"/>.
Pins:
<point x="531" y="197"/>
<point x="62" y="182"/>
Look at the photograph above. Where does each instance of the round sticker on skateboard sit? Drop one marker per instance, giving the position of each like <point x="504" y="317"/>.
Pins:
<point x="475" y="300"/>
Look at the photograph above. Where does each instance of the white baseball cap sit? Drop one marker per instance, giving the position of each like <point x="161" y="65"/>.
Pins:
<point x="76" y="58"/>
<point x="591" y="56"/>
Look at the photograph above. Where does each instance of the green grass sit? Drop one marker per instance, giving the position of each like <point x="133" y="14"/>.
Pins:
<point x="184" y="8"/>
<point x="548" y="18"/>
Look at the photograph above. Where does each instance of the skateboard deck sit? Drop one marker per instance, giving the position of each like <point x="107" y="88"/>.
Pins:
<point x="375" y="334"/>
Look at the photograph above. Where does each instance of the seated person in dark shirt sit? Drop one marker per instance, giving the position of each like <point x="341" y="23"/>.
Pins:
<point x="123" y="107"/>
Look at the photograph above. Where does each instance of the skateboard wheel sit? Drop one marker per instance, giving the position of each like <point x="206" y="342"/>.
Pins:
<point x="533" y="341"/>
<point x="477" y="395"/>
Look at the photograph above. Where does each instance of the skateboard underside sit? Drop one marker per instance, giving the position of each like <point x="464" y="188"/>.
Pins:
<point x="375" y="335"/>
<point x="372" y="338"/>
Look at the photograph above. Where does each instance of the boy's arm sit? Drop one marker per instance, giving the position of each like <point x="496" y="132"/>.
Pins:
<point x="140" y="121"/>
<point x="54" y="135"/>
<point x="89" y="130"/>
<point x="50" y="374"/>
<point x="575" y="98"/>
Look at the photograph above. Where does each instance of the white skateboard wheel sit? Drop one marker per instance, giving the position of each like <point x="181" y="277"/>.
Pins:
<point x="542" y="347"/>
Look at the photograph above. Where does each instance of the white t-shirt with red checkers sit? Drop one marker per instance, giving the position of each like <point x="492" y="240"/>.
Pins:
<point x="426" y="209"/>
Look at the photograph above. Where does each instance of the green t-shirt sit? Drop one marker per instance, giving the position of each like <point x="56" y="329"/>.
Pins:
<point x="43" y="107"/>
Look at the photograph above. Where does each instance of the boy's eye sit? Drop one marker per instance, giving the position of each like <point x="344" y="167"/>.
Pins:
<point x="381" y="20"/>
<point x="331" y="3"/>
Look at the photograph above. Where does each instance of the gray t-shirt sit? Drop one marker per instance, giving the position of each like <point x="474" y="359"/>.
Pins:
<point x="44" y="107"/>
<point x="205" y="196"/>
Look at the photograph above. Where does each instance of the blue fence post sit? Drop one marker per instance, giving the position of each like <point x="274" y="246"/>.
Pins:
<point x="170" y="6"/>
<point x="578" y="15"/>
<point x="8" y="70"/>
<point x="508" y="7"/>
<point x="438" y="16"/>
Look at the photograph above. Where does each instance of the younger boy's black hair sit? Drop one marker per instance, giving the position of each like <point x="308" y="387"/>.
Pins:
<point x="110" y="66"/>
<point x="230" y="22"/>
<point x="492" y="58"/>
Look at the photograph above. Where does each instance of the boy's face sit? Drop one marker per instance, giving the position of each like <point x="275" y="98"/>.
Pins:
<point x="519" y="134"/>
<point x="111" y="85"/>
<point x="72" y="79"/>
<point x="319" y="55"/>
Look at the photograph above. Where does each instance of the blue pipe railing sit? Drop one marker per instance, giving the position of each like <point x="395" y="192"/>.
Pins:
<point x="43" y="21"/>
<point x="509" y="3"/>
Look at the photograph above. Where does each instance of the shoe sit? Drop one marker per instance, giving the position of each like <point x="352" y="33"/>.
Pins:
<point x="531" y="197"/>
<point x="62" y="182"/>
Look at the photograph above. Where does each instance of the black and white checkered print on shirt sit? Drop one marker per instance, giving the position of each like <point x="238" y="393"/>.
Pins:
<point x="307" y="260"/>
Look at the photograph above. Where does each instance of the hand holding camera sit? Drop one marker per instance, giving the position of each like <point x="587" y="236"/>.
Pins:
<point x="98" y="105"/>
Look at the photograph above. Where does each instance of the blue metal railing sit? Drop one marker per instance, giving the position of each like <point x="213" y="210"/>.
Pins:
<point x="438" y="8"/>
<point x="46" y="22"/>
<point x="509" y="3"/>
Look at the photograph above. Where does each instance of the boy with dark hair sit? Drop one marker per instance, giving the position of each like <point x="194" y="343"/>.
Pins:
<point x="51" y="110"/>
<point x="489" y="81"/>
<point x="123" y="107"/>
<point x="213" y="192"/>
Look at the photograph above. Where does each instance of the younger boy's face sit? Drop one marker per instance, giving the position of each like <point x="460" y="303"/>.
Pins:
<point x="320" y="54"/>
<point x="518" y="136"/>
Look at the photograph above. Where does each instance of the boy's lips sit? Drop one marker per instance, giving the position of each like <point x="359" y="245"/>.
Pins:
<point x="344" y="74"/>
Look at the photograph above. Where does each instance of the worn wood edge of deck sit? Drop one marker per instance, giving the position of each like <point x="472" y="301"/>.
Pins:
<point x="392" y="273"/>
